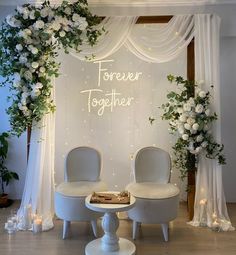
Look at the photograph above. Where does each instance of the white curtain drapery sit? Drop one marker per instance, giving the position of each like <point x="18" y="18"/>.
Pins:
<point x="210" y="205"/>
<point x="39" y="183"/>
<point x="153" y="44"/>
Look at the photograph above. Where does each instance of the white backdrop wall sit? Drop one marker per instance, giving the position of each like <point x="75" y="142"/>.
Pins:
<point x="120" y="133"/>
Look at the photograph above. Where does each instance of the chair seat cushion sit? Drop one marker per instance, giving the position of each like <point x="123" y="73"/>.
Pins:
<point x="152" y="190"/>
<point x="80" y="189"/>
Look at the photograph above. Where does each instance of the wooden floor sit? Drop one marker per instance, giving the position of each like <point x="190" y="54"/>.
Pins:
<point x="184" y="239"/>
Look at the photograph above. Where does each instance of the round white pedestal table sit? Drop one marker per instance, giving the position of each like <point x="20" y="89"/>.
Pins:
<point x="110" y="243"/>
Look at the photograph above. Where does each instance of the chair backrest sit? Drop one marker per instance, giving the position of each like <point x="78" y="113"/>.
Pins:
<point x="83" y="164"/>
<point x="152" y="164"/>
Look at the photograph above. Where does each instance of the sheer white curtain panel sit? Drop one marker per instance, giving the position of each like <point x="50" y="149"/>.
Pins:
<point x="210" y="205"/>
<point x="39" y="183"/>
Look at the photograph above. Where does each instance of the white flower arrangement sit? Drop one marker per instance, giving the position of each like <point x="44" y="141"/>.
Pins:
<point x="29" y="41"/>
<point x="190" y="117"/>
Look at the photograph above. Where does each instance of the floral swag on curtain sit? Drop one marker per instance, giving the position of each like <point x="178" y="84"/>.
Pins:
<point x="151" y="43"/>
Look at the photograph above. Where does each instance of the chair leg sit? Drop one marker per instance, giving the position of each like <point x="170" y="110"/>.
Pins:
<point x="135" y="227"/>
<point x="66" y="225"/>
<point x="94" y="227"/>
<point x="165" y="230"/>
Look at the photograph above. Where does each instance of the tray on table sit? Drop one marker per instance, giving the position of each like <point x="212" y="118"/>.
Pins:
<point x="110" y="198"/>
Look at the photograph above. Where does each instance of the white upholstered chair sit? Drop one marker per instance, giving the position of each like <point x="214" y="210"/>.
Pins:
<point x="82" y="177"/>
<point x="156" y="199"/>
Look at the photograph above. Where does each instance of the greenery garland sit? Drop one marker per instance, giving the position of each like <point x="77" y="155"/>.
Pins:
<point x="190" y="117"/>
<point x="29" y="44"/>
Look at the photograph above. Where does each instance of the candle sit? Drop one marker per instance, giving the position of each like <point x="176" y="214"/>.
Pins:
<point x="215" y="226"/>
<point x="37" y="225"/>
<point x="10" y="226"/>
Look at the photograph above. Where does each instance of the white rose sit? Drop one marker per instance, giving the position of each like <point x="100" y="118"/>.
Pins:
<point x="76" y="17"/>
<point x="83" y="25"/>
<point x="62" y="33"/>
<point x="202" y="94"/>
<point x="204" y="144"/>
<point x="185" y="137"/>
<point x="199" y="138"/>
<point x="198" y="149"/>
<point x="55" y="25"/>
<point x="44" y="12"/>
<point x="195" y="126"/>
<point x="199" y="108"/>
<point x="182" y="118"/>
<point x="191" y="101"/>
<point x="34" y="50"/>
<point x="27" y="31"/>
<point x="191" y="121"/>
<point x="42" y="69"/>
<point x="187" y="107"/>
<point x="208" y="112"/>
<point x="187" y="126"/>
<point x="39" y="24"/>
<point x="22" y="59"/>
<point x="17" y="77"/>
<point x="35" y="93"/>
<point x="32" y="15"/>
<point x="67" y="10"/>
<point x="24" y="95"/>
<point x="191" y="147"/>
<point x="16" y="84"/>
<point x="20" y="9"/>
<point x="27" y="112"/>
<point x="180" y="110"/>
<point x="19" y="47"/>
<point x="181" y="130"/>
<point x="35" y="65"/>
<point x="12" y="21"/>
<point x="28" y="75"/>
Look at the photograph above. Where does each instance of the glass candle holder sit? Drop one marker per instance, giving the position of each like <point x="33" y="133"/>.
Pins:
<point x="37" y="224"/>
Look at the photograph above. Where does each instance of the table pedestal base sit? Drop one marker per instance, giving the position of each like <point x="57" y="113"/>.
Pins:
<point x="95" y="248"/>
